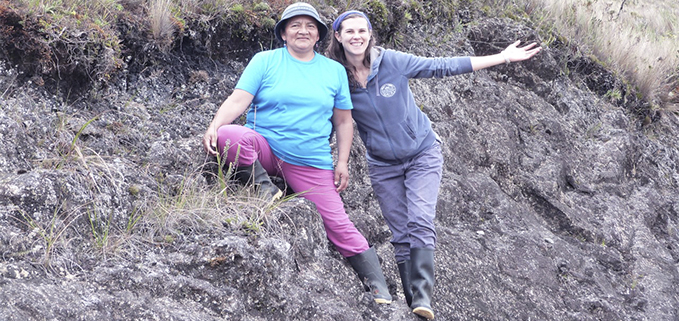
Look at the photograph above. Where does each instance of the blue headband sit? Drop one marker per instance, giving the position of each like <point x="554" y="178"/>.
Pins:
<point x="338" y="21"/>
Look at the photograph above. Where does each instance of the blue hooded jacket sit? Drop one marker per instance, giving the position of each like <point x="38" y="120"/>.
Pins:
<point x="392" y="127"/>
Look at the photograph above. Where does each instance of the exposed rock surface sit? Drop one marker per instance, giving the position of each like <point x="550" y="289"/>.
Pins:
<point x="556" y="202"/>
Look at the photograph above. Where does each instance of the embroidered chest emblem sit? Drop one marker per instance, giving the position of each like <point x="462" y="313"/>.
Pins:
<point x="387" y="90"/>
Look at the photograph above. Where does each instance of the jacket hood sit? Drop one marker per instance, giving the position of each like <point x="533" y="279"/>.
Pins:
<point x="376" y="54"/>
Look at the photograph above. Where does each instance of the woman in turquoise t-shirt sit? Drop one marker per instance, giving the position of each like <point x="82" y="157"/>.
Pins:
<point x="297" y="96"/>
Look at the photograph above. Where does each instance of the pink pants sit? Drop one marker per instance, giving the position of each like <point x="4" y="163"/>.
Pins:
<point x="314" y="184"/>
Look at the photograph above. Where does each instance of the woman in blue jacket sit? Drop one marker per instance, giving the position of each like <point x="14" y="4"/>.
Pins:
<point x="403" y="152"/>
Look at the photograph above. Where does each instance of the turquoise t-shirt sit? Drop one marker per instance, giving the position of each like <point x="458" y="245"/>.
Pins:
<point x="293" y="104"/>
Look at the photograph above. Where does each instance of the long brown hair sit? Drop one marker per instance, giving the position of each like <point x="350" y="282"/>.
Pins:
<point x="336" y="52"/>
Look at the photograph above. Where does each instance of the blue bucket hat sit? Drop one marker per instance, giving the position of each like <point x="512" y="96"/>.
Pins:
<point x="300" y="9"/>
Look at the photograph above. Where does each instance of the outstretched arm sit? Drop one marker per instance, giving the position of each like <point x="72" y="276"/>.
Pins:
<point x="510" y="54"/>
<point x="230" y="109"/>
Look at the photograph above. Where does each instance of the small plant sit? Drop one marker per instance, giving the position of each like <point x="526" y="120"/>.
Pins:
<point x="613" y="95"/>
<point x="221" y="177"/>
<point x="252" y="226"/>
<point x="50" y="232"/>
<point x="379" y="14"/>
<point x="267" y="23"/>
<point x="224" y="177"/>
<point x="533" y="129"/>
<point x="134" y="189"/>
<point x="635" y="281"/>
<point x="169" y="239"/>
<point x="99" y="229"/>
<point x="237" y="9"/>
<point x="132" y="220"/>
<point x="67" y="151"/>
<point x="261" y="6"/>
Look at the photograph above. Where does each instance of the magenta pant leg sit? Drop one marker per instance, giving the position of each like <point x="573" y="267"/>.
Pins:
<point x="317" y="185"/>
<point x="244" y="146"/>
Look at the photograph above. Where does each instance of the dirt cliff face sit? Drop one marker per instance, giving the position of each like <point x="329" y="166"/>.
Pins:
<point x="557" y="202"/>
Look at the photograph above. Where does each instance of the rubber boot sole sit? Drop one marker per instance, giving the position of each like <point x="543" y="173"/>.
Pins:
<point x="277" y="196"/>
<point x="382" y="301"/>
<point x="424" y="312"/>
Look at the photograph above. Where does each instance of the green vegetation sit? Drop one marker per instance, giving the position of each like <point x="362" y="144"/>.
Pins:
<point x="74" y="35"/>
<point x="613" y="94"/>
<point x="637" y="40"/>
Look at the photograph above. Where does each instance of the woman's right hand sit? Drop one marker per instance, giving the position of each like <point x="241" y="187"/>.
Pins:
<point x="210" y="141"/>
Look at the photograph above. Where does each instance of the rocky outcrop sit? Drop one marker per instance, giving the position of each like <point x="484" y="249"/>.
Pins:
<point x="557" y="202"/>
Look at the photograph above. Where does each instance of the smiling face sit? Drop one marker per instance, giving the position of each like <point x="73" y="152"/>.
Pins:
<point x="301" y="34"/>
<point x="354" y="35"/>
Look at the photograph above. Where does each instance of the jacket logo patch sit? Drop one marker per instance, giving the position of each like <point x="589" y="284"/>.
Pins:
<point x="387" y="90"/>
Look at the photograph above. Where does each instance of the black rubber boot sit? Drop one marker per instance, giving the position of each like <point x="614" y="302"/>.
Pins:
<point x="422" y="281"/>
<point x="256" y="175"/>
<point x="369" y="271"/>
<point x="404" y="272"/>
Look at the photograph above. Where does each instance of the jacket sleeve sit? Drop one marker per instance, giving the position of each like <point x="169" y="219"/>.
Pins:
<point x="412" y="66"/>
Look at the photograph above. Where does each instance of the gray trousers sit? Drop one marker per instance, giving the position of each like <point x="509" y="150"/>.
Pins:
<point x="407" y="195"/>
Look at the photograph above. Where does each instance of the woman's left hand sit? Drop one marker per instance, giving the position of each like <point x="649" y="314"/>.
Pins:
<point x="341" y="176"/>
<point x="515" y="53"/>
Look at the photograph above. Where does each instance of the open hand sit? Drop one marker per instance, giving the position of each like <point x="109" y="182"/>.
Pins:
<point x="515" y="53"/>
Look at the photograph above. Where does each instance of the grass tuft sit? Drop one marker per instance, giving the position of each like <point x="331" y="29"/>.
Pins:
<point x="162" y="24"/>
<point x="636" y="39"/>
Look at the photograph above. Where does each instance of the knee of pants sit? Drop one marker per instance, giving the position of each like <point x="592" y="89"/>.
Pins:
<point x="240" y="144"/>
